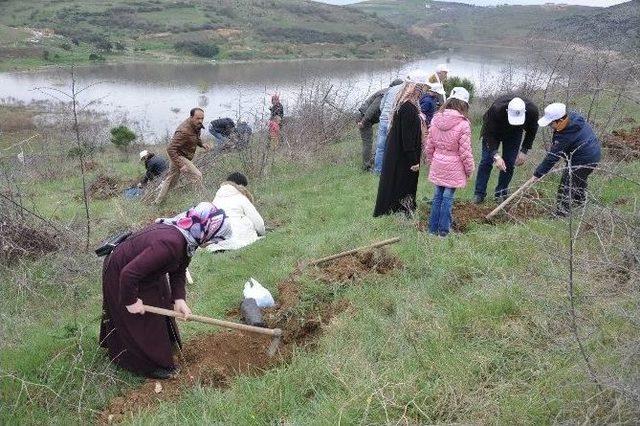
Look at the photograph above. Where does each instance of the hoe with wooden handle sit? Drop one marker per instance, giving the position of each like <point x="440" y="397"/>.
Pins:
<point x="275" y="333"/>
<point x="502" y="205"/>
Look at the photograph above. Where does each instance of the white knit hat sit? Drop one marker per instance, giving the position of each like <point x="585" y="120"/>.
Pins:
<point x="143" y="154"/>
<point x="437" y="88"/>
<point x="460" y="93"/>
<point x="442" y="68"/>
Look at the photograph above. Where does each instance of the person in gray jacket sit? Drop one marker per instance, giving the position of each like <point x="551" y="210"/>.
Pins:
<point x="369" y="114"/>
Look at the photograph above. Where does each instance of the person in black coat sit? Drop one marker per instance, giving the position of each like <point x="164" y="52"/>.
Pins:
<point x="276" y="109"/>
<point x="399" y="178"/>
<point x="155" y="166"/>
<point x="576" y="143"/>
<point x="504" y="123"/>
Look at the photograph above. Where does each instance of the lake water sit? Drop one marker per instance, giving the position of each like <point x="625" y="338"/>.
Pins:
<point x="157" y="97"/>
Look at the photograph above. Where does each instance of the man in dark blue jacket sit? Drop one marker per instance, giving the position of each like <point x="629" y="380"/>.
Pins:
<point x="430" y="101"/>
<point x="154" y="164"/>
<point x="576" y="143"/>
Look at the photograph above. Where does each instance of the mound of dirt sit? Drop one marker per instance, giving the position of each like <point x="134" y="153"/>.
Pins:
<point x="104" y="187"/>
<point x="355" y="266"/>
<point x="215" y="359"/>
<point x="624" y="145"/>
<point x="465" y="213"/>
<point x="18" y="240"/>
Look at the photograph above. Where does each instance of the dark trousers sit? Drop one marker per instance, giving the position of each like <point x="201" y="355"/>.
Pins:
<point x="510" y="149"/>
<point x="366" y="134"/>
<point x="573" y="192"/>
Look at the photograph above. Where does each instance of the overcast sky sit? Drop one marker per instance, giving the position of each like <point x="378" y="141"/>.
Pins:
<point x="602" y="3"/>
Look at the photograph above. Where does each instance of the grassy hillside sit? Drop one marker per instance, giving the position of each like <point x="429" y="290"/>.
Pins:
<point x="53" y="32"/>
<point x="614" y="28"/>
<point x="474" y="328"/>
<point x="518" y="26"/>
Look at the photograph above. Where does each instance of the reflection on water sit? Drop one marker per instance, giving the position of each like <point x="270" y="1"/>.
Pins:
<point x="159" y="96"/>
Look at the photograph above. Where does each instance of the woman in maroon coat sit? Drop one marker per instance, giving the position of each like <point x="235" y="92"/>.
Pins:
<point x="136" y="273"/>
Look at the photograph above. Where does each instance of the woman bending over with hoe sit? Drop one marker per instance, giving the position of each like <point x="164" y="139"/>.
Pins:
<point x="135" y="272"/>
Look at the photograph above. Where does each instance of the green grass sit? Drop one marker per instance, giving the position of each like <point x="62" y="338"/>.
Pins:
<point x="473" y="329"/>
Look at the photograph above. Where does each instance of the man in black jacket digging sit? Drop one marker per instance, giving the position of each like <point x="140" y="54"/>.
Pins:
<point x="504" y="123"/>
<point x="369" y="114"/>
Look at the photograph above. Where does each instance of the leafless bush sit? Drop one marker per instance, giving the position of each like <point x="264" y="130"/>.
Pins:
<point x="320" y="117"/>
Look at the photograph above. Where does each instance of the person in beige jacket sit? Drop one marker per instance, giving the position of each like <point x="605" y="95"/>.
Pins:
<point x="246" y="223"/>
<point x="181" y="151"/>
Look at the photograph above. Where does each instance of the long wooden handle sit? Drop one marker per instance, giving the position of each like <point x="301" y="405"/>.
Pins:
<point x="511" y="197"/>
<point x="276" y="332"/>
<point x="348" y="252"/>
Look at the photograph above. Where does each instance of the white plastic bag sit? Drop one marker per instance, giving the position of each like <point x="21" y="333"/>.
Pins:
<point x="254" y="290"/>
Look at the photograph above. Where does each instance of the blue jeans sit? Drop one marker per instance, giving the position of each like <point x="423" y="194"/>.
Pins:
<point x="381" y="144"/>
<point x="441" y="208"/>
<point x="510" y="150"/>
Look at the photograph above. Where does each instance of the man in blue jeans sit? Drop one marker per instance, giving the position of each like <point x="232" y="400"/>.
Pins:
<point x="505" y="122"/>
<point x="386" y="104"/>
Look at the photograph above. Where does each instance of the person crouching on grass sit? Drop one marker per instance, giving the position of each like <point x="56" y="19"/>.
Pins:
<point x="448" y="151"/>
<point x="576" y="143"/>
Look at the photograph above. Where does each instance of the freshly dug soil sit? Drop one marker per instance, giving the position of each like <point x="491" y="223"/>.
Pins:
<point x="624" y="145"/>
<point x="466" y="213"/>
<point x="215" y="359"/>
<point x="18" y="240"/>
<point x="104" y="187"/>
<point x="355" y="266"/>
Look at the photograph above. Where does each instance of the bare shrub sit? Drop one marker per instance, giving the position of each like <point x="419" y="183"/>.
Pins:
<point x="320" y="117"/>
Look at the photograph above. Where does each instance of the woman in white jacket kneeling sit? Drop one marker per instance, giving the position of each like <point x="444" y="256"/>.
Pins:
<point x="237" y="202"/>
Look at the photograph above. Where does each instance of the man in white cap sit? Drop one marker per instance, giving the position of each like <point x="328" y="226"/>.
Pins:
<point x="440" y="76"/>
<point x="504" y="123"/>
<point x="154" y="164"/>
<point x="576" y="143"/>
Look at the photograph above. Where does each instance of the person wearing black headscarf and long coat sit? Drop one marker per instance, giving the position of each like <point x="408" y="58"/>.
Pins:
<point x="134" y="274"/>
<point x="399" y="179"/>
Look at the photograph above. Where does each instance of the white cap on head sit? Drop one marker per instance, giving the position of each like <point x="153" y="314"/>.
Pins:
<point x="552" y="112"/>
<point x="460" y="93"/>
<point x="516" y="112"/>
<point x="418" y="77"/>
<point x="437" y="88"/>
<point x="442" y="68"/>
<point x="143" y="154"/>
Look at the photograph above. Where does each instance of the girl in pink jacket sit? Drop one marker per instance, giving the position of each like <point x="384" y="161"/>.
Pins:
<point x="448" y="151"/>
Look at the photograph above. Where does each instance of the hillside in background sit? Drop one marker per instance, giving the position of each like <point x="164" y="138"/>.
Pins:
<point x="615" y="28"/>
<point x="452" y="24"/>
<point x="53" y="32"/>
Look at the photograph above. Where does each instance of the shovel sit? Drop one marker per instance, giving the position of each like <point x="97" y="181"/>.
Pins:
<point x="275" y="333"/>
<point x="502" y="205"/>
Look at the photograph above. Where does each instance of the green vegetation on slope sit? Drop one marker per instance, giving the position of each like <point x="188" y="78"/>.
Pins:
<point x="54" y="32"/>
<point x="612" y="28"/>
